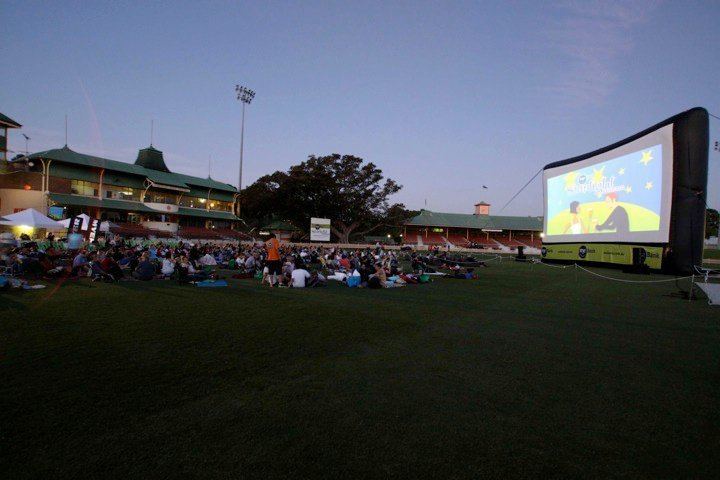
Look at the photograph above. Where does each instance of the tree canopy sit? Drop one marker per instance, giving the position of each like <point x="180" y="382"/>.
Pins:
<point x="712" y="220"/>
<point x="353" y="193"/>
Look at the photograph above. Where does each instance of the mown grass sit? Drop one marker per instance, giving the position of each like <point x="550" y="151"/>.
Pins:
<point x="528" y="372"/>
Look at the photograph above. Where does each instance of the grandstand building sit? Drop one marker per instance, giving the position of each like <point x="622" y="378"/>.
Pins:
<point x="143" y="198"/>
<point x="479" y="229"/>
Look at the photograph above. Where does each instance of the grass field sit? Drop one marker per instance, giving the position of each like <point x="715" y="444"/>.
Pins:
<point x="527" y="372"/>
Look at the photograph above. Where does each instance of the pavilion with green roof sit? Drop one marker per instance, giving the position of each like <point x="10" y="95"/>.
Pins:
<point x="145" y="192"/>
<point x="479" y="229"/>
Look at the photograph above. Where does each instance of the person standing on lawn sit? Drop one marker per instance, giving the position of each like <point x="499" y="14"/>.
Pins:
<point x="273" y="258"/>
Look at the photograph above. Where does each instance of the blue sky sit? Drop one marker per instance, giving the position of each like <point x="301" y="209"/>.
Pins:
<point x="444" y="96"/>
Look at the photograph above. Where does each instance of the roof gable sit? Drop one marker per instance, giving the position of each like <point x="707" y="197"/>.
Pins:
<point x="8" y="122"/>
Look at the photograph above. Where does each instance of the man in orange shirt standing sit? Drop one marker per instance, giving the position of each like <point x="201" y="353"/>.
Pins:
<point x="273" y="258"/>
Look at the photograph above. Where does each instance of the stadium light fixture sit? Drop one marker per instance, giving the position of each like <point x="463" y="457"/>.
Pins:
<point x="245" y="95"/>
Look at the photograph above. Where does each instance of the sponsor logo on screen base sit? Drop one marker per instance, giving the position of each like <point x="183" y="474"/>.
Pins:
<point x="603" y="253"/>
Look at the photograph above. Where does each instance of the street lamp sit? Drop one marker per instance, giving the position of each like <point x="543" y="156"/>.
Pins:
<point x="27" y="139"/>
<point x="245" y="95"/>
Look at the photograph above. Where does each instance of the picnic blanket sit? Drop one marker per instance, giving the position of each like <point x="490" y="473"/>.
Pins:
<point x="212" y="283"/>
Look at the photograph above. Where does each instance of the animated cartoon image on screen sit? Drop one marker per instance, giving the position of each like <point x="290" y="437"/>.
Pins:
<point x="620" y="195"/>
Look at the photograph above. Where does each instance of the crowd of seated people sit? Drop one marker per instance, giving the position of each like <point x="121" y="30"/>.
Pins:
<point x="114" y="262"/>
<point x="301" y="266"/>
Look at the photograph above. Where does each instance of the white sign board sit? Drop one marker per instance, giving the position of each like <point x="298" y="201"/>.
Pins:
<point x="162" y="207"/>
<point x="319" y="229"/>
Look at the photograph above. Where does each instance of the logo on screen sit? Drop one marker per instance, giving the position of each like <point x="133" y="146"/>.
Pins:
<point x="582" y="251"/>
<point x="543" y="251"/>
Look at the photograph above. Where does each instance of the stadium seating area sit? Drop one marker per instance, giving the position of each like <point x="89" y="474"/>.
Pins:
<point x="433" y="239"/>
<point x="457" y="240"/>
<point x="211" y="234"/>
<point x="230" y="233"/>
<point x="136" y="230"/>
<point x="187" y="233"/>
<point x="495" y="240"/>
<point x="529" y="241"/>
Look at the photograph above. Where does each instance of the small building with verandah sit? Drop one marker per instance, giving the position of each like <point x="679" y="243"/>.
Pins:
<point x="476" y="230"/>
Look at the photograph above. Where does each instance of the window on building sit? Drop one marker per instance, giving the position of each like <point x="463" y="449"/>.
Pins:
<point x="193" y="202"/>
<point x="219" y="205"/>
<point x="121" y="193"/>
<point x="81" y="187"/>
<point x="157" y="197"/>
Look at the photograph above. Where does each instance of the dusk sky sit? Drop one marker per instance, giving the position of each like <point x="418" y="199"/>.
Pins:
<point x="444" y="96"/>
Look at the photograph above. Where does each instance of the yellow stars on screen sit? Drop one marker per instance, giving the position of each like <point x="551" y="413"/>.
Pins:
<point x="621" y="171"/>
<point x="648" y="186"/>
<point x="597" y="175"/>
<point x="570" y="180"/>
<point x="646" y="157"/>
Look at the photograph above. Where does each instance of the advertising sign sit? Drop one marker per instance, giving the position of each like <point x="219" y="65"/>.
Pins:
<point x="319" y="229"/>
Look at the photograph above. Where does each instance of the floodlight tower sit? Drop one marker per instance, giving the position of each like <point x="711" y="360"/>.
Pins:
<point x="245" y="95"/>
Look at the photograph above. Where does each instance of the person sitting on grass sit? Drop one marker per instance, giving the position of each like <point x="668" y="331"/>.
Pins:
<point x="80" y="264"/>
<point x="168" y="266"/>
<point x="207" y="260"/>
<point x="250" y="263"/>
<point x="379" y="278"/>
<point x="316" y="280"/>
<point x="187" y="272"/>
<point x="97" y="272"/>
<point x="299" y="277"/>
<point x="284" y="280"/>
<point x="146" y="269"/>
<point x="289" y="266"/>
<point x="110" y="266"/>
<point x="344" y="263"/>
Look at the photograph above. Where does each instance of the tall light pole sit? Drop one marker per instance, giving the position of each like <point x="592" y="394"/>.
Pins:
<point x="27" y="139"/>
<point x="245" y="95"/>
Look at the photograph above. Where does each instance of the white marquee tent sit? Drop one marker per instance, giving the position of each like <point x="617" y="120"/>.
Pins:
<point x="31" y="218"/>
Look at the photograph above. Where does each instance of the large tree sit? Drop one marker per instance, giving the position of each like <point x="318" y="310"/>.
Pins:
<point x="352" y="193"/>
<point x="712" y="220"/>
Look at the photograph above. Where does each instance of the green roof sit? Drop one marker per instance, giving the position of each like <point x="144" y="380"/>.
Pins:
<point x="152" y="158"/>
<point x="8" y="122"/>
<point x="83" y="201"/>
<point x="426" y="218"/>
<point x="65" y="155"/>
<point x="110" y="204"/>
